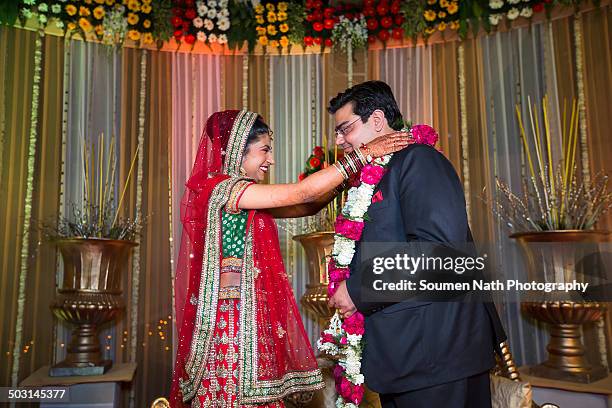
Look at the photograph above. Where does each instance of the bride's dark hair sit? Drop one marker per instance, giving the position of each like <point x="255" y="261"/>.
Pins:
<point x="260" y="128"/>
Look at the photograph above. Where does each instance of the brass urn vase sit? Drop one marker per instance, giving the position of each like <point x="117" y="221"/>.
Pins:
<point x="559" y="257"/>
<point x="318" y="247"/>
<point x="90" y="295"/>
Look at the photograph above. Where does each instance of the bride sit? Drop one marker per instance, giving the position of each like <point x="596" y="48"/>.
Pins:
<point x="241" y="338"/>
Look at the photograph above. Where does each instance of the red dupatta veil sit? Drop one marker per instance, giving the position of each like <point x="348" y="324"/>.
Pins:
<point x="275" y="356"/>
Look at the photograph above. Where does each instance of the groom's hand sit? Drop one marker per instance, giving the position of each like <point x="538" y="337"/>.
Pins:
<point x="342" y="301"/>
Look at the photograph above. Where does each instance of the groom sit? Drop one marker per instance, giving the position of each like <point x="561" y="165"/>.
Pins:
<point x="417" y="353"/>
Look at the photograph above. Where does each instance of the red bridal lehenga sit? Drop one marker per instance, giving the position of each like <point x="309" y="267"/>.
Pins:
<point x="239" y="345"/>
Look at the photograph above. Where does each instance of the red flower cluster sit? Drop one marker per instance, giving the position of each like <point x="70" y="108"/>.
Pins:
<point x="384" y="20"/>
<point x="314" y="163"/>
<point x="320" y="21"/>
<point x="322" y="17"/>
<point x="183" y="13"/>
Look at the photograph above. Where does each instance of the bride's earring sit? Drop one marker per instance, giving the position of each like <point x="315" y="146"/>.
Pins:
<point x="243" y="171"/>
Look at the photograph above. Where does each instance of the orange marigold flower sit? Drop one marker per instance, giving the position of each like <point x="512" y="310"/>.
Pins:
<point x="85" y="24"/>
<point x="430" y="15"/>
<point x="134" y="35"/>
<point x="132" y="18"/>
<point x="99" y="12"/>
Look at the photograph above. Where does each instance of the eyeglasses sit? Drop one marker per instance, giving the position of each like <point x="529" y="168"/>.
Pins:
<point x="345" y="130"/>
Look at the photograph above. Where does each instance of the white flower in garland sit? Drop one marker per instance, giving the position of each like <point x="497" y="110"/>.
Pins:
<point x="222" y="39"/>
<point x="43" y="7"/>
<point x="527" y="12"/>
<point x="212" y="38"/>
<point x="496" y="4"/>
<point x="198" y="23"/>
<point x="56" y="8"/>
<point x="202" y="9"/>
<point x="29" y="2"/>
<point x="224" y="13"/>
<point x="513" y="13"/>
<point x="212" y="13"/>
<point x="514" y="1"/>
<point x="27" y="13"/>
<point x="212" y="4"/>
<point x="344" y="249"/>
<point x="494" y="19"/>
<point x="201" y="36"/>
<point x="208" y="24"/>
<point x="350" y="32"/>
<point x="223" y="24"/>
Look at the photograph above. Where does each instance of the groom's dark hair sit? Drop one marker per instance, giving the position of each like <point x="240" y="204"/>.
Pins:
<point x="366" y="98"/>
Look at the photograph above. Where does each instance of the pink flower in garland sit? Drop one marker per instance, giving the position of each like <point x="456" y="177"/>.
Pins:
<point x="372" y="174"/>
<point x="424" y="134"/>
<point x="328" y="338"/>
<point x="350" y="392"/>
<point x="354" y="324"/>
<point x="357" y="394"/>
<point x="336" y="273"/>
<point x="349" y="228"/>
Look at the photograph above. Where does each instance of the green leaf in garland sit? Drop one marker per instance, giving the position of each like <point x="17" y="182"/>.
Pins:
<point x="463" y="29"/>
<point x="9" y="10"/>
<point x="162" y="27"/>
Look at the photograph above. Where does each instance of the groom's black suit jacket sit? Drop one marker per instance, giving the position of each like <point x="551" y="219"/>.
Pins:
<point x="417" y="344"/>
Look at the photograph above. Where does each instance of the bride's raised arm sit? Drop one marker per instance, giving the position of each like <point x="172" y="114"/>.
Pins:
<point x="318" y="185"/>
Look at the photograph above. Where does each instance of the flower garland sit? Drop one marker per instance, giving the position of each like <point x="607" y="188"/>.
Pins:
<point x="207" y="21"/>
<point x="44" y="11"/>
<point x="344" y="338"/>
<point x="25" y="233"/>
<point x="440" y="15"/>
<point x="272" y="26"/>
<point x="513" y="9"/>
